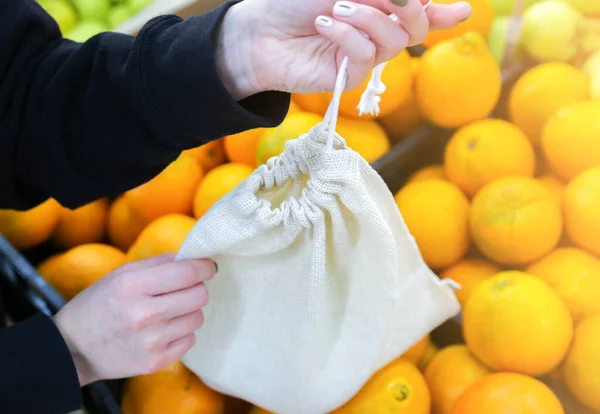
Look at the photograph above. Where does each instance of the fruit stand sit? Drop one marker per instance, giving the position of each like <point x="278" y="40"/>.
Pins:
<point x="500" y="188"/>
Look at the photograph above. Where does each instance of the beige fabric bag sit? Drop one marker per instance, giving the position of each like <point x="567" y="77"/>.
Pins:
<point x="320" y="283"/>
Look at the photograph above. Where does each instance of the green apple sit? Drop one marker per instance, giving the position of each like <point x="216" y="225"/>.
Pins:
<point x="118" y="14"/>
<point x="92" y="9"/>
<point x="550" y="29"/>
<point x="506" y="7"/>
<point x="497" y="37"/>
<point x="62" y="12"/>
<point x="86" y="29"/>
<point x="138" y="5"/>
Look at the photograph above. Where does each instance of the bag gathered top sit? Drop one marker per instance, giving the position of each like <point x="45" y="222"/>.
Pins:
<point x="320" y="283"/>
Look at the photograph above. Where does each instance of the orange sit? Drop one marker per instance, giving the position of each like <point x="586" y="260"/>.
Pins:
<point x="174" y="389"/>
<point x="78" y="268"/>
<point x="508" y="393"/>
<point x="217" y="183"/>
<point x="515" y="220"/>
<point x="172" y="191"/>
<point x="406" y="118"/>
<point x="396" y="77"/>
<point x="25" y="229"/>
<point x="208" y="155"/>
<point x="556" y="187"/>
<point x="258" y="410"/>
<point x="398" y="388"/>
<point x="272" y="142"/>
<point x="542" y="91"/>
<point x="241" y="148"/>
<point x="458" y="81"/>
<point x="487" y="150"/>
<point x="516" y="322"/>
<point x="436" y="213"/>
<point x="123" y="226"/>
<point x="80" y="226"/>
<point x="480" y="22"/>
<point x="416" y="353"/>
<point x="582" y="365"/>
<point x="166" y="234"/>
<point x="582" y="210"/>
<point x="435" y="171"/>
<point x="449" y="374"/>
<point x="366" y="137"/>
<point x="469" y="273"/>
<point x="575" y="275"/>
<point x="294" y="107"/>
<point x="570" y="139"/>
<point x="430" y="353"/>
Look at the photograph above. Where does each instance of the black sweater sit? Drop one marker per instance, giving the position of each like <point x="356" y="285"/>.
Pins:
<point x="84" y="121"/>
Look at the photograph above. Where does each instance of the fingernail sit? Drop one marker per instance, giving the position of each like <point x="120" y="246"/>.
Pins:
<point x="216" y="267"/>
<point x="344" y="9"/>
<point x="400" y="3"/>
<point x="324" y="21"/>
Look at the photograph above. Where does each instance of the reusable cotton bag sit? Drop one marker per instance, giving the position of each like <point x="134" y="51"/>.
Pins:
<point x="320" y="283"/>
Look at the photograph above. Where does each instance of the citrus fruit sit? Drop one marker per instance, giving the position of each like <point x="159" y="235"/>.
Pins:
<point x="78" y="268"/>
<point x="25" y="229"/>
<point x="208" y="155"/>
<point x="570" y="139"/>
<point x="549" y="30"/>
<point x="396" y="77"/>
<point x="582" y="207"/>
<point x="555" y="186"/>
<point x="508" y="393"/>
<point x="430" y="352"/>
<point x="582" y="365"/>
<point x="406" y="117"/>
<point x="575" y="275"/>
<point x="366" y="137"/>
<point x="416" y="352"/>
<point x="480" y="21"/>
<point x="174" y="389"/>
<point x="397" y="388"/>
<point x="515" y="220"/>
<point x="258" y="410"/>
<point x="468" y="273"/>
<point x="241" y="148"/>
<point x="543" y="90"/>
<point x="435" y="171"/>
<point x="166" y="234"/>
<point x="172" y="191"/>
<point x="486" y="150"/>
<point x="458" y="81"/>
<point x="516" y="322"/>
<point x="83" y="225"/>
<point x="272" y="141"/>
<point x="449" y="374"/>
<point x="294" y="107"/>
<point x="217" y="183"/>
<point x="123" y="225"/>
<point x="436" y="213"/>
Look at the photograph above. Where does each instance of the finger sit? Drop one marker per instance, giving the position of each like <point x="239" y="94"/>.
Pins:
<point x="181" y="302"/>
<point x="183" y="326"/>
<point x="413" y="19"/>
<point x="389" y="38"/>
<point x="352" y="43"/>
<point x="146" y="263"/>
<point x="442" y="16"/>
<point x="179" y="347"/>
<point x="173" y="276"/>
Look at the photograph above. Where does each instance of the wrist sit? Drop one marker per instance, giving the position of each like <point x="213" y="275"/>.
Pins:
<point x="234" y="53"/>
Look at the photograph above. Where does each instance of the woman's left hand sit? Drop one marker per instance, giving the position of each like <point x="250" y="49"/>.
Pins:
<point x="298" y="45"/>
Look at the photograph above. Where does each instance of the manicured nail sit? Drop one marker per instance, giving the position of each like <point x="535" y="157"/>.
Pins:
<point x="324" y="21"/>
<point x="400" y="3"/>
<point x="344" y="9"/>
<point x="216" y="267"/>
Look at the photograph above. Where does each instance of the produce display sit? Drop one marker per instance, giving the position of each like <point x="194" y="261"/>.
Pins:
<point x="511" y="212"/>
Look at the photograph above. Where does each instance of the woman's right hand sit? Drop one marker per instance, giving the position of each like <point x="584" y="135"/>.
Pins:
<point x="137" y="319"/>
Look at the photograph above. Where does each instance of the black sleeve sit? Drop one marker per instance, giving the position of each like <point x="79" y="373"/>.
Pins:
<point x="83" y="121"/>
<point x="37" y="374"/>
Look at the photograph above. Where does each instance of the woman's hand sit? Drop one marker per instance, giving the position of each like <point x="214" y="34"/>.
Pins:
<point x="137" y="319"/>
<point x="298" y="45"/>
